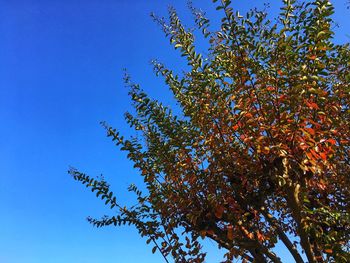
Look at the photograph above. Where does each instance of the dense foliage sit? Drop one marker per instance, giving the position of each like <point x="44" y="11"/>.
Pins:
<point x="260" y="153"/>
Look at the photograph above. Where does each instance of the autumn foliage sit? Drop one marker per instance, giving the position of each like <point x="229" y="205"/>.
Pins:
<point x="260" y="153"/>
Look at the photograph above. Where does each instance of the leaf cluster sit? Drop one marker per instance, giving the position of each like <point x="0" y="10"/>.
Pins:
<point x="260" y="152"/>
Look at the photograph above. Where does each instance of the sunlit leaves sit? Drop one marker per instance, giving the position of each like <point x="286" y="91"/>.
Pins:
<point x="260" y="149"/>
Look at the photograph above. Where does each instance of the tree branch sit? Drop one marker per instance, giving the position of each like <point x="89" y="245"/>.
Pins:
<point x="297" y="257"/>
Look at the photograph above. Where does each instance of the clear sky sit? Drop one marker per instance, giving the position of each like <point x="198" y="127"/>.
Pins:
<point x="61" y="67"/>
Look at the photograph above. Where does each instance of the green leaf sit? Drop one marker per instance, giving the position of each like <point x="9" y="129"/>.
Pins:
<point x="154" y="249"/>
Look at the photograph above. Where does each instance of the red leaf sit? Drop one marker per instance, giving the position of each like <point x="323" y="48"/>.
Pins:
<point x="309" y="156"/>
<point x="219" y="211"/>
<point x="282" y="97"/>
<point x="312" y="105"/>
<point x="230" y="232"/>
<point x="310" y="131"/>
<point x="323" y="156"/>
<point x="332" y="141"/>
<point x="315" y="154"/>
<point x="260" y="236"/>
<point x="249" y="115"/>
<point x="313" y="57"/>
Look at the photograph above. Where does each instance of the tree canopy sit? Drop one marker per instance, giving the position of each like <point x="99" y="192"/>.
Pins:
<point x="260" y="151"/>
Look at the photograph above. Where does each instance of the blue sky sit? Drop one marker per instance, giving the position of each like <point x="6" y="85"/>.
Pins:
<point x="61" y="74"/>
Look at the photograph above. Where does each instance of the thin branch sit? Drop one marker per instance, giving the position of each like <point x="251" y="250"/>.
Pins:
<point x="283" y="236"/>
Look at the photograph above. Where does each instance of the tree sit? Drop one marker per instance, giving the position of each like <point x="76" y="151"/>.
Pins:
<point x="260" y="153"/>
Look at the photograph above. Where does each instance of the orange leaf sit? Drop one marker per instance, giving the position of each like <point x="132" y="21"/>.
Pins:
<point x="312" y="105"/>
<point x="265" y="150"/>
<point x="246" y="140"/>
<point x="313" y="57"/>
<point x="230" y="232"/>
<point x="282" y="97"/>
<point x="314" y="154"/>
<point x="310" y="131"/>
<point x="332" y="141"/>
<point x="249" y="115"/>
<point x="260" y="236"/>
<point x="309" y="155"/>
<point x="323" y="156"/>
<point x="321" y="186"/>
